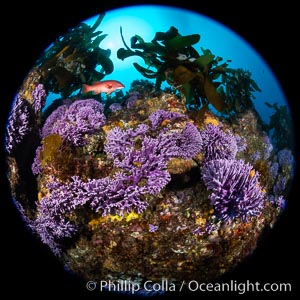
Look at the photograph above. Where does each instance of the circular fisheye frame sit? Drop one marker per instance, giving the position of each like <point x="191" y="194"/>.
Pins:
<point x="150" y="156"/>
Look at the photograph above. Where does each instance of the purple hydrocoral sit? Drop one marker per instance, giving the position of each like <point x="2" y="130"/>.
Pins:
<point x="268" y="147"/>
<point x="121" y="143"/>
<point x="280" y="184"/>
<point x="241" y="143"/>
<point x="115" y="195"/>
<point x="141" y="161"/>
<point x="277" y="201"/>
<point x="255" y="156"/>
<point x="54" y="120"/>
<point x="285" y="158"/>
<point x="132" y="99"/>
<point x="108" y="195"/>
<point x="160" y="115"/>
<point x="39" y="95"/>
<point x="74" y="122"/>
<point x="217" y="144"/>
<point x="185" y="144"/>
<point x="236" y="192"/>
<point x="115" y="107"/>
<point x="153" y="228"/>
<point x="36" y="167"/>
<point x="207" y="229"/>
<point x="52" y="225"/>
<point x="17" y="125"/>
<point x="144" y="167"/>
<point x="274" y="168"/>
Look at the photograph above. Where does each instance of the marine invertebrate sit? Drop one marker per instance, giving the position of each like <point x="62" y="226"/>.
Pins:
<point x="18" y="124"/>
<point x="218" y="144"/>
<point x="36" y="166"/>
<point x="82" y="117"/>
<point x="285" y="158"/>
<point x="283" y="171"/>
<point x="144" y="158"/>
<point x="160" y="115"/>
<point x="274" y="167"/>
<point x="142" y="170"/>
<point x="277" y="201"/>
<point x="115" y="107"/>
<point x="39" y="95"/>
<point x="241" y="143"/>
<point x="208" y="228"/>
<point x="153" y="228"/>
<point x="121" y="143"/>
<point x="54" y="119"/>
<point x="268" y="147"/>
<point x="52" y="224"/>
<point x="106" y="195"/>
<point x="280" y="184"/>
<point x="255" y="156"/>
<point x="235" y="189"/>
<point x="185" y="144"/>
<point x="131" y="100"/>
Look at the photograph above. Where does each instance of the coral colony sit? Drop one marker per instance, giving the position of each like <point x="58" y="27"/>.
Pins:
<point x="153" y="182"/>
<point x="74" y="122"/>
<point x="18" y="124"/>
<point x="236" y="192"/>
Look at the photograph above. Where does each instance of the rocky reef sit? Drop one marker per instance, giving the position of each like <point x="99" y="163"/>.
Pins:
<point x="174" y="184"/>
<point x="148" y="192"/>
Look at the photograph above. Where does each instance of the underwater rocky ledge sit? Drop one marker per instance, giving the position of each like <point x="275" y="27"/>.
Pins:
<point x="145" y="191"/>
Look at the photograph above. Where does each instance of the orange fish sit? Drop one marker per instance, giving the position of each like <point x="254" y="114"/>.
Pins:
<point x="105" y="86"/>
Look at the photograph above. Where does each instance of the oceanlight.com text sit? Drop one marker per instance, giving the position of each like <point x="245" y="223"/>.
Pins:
<point x="192" y="286"/>
<point x="239" y="287"/>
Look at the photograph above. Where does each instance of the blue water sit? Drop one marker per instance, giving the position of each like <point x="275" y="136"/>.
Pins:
<point x="146" y="20"/>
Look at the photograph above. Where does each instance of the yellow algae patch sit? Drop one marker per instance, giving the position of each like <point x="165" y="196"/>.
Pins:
<point x="40" y="196"/>
<point x="165" y="122"/>
<point x="94" y="223"/>
<point x="118" y="124"/>
<point x="137" y="164"/>
<point x="113" y="218"/>
<point x="211" y="120"/>
<point x="107" y="128"/>
<point x="252" y="173"/>
<point x="200" y="221"/>
<point x="131" y="216"/>
<point x="180" y="165"/>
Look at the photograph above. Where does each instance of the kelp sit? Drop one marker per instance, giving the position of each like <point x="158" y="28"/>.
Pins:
<point x="175" y="60"/>
<point x="73" y="58"/>
<point x="281" y="127"/>
<point x="238" y="90"/>
<point x="203" y="78"/>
